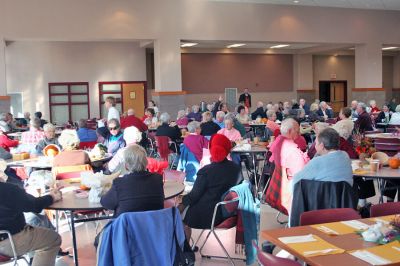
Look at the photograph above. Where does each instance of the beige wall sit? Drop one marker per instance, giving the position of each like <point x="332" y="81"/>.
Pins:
<point x="32" y="65"/>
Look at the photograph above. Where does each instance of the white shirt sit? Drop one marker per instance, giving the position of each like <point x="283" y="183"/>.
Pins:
<point x="113" y="113"/>
<point x="395" y="120"/>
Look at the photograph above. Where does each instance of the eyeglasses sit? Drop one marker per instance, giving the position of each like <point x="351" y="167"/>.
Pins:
<point x="113" y="128"/>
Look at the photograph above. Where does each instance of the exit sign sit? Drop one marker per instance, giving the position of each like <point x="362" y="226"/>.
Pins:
<point x="333" y="76"/>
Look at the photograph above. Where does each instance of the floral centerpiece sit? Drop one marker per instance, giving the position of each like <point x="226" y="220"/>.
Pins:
<point x="364" y="146"/>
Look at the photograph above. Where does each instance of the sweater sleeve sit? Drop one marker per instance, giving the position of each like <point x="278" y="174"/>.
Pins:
<point x="199" y="188"/>
<point x="27" y="203"/>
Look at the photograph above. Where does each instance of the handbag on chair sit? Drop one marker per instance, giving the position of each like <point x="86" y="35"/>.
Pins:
<point x="185" y="256"/>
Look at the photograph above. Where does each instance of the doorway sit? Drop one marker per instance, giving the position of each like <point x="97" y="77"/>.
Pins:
<point x="334" y="93"/>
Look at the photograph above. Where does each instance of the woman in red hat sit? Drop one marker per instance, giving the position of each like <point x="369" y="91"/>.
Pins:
<point x="212" y="182"/>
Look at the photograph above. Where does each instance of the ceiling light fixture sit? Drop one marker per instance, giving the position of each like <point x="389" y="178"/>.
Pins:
<point x="296" y="2"/>
<point x="189" y="44"/>
<point x="235" y="45"/>
<point x="390" y="48"/>
<point x="352" y="48"/>
<point x="280" y="46"/>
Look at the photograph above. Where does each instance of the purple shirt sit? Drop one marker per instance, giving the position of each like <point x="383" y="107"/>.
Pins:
<point x="195" y="143"/>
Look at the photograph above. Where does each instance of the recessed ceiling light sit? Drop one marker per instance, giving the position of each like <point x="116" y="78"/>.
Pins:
<point x="296" y="2"/>
<point x="352" y="48"/>
<point x="389" y="48"/>
<point x="235" y="45"/>
<point x="280" y="46"/>
<point x="189" y="44"/>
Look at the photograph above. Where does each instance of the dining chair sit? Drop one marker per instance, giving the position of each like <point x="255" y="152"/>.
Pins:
<point x="14" y="258"/>
<point x="383" y="209"/>
<point x="328" y="216"/>
<point x="163" y="144"/>
<point x="266" y="259"/>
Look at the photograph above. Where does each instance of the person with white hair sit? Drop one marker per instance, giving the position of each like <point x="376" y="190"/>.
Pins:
<point x="181" y="119"/>
<point x="374" y="107"/>
<point x="49" y="138"/>
<point x="208" y="127"/>
<point x="395" y="119"/>
<point x="133" y="136"/>
<point x="259" y="112"/>
<point x="353" y="107"/>
<point x="324" y="111"/>
<point x="271" y="125"/>
<point x="288" y="160"/>
<point x="219" y="119"/>
<point x="172" y="131"/>
<point x="195" y="142"/>
<point x="195" y="115"/>
<point x="229" y="131"/>
<point x="131" y="120"/>
<point x="364" y="122"/>
<point x="70" y="155"/>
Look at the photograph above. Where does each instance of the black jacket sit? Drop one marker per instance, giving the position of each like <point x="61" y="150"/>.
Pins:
<point x="363" y="123"/>
<point x="212" y="182"/>
<point x="242" y="98"/>
<point x="382" y="116"/>
<point x="259" y="112"/>
<point x="135" y="192"/>
<point x="173" y="133"/>
<point x="309" y="195"/>
<point x="209" y="128"/>
<point x="14" y="201"/>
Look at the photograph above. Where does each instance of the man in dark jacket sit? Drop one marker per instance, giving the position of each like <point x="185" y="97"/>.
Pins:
<point x="364" y="122"/>
<point x="324" y="110"/>
<point x="245" y="98"/>
<point x="173" y="132"/>
<point x="259" y="112"/>
<point x="14" y="201"/>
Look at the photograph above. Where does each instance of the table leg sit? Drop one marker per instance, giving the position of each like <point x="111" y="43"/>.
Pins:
<point x="381" y="185"/>
<point x="74" y="238"/>
<point x="253" y="156"/>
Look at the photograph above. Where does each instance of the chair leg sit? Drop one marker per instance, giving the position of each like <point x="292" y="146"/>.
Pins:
<point x="198" y="239"/>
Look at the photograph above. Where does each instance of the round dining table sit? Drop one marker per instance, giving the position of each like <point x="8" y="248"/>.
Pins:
<point x="72" y="204"/>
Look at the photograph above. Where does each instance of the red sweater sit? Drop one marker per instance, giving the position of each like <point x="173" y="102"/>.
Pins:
<point x="132" y="120"/>
<point x="7" y="143"/>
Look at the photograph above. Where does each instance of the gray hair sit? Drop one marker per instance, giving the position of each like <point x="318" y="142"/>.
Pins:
<point x="49" y="127"/>
<point x="82" y="123"/>
<point x="398" y="108"/>
<point x="181" y="113"/>
<point x="330" y="138"/>
<point x="320" y="126"/>
<point x="131" y="111"/>
<point x="314" y="107"/>
<point x="230" y="116"/>
<point x="69" y="139"/>
<point x="3" y="116"/>
<point x="362" y="105"/>
<point x="287" y="125"/>
<point x="192" y="126"/>
<point x="165" y="118"/>
<point x="132" y="135"/>
<point x="135" y="158"/>
<point x="271" y="113"/>
<point x="36" y="123"/>
<point x="219" y="115"/>
<point x="323" y="103"/>
<point x="195" y="108"/>
<point x="114" y="121"/>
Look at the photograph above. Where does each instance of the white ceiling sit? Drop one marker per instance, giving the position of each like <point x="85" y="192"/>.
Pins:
<point x="249" y="45"/>
<point x="360" y="4"/>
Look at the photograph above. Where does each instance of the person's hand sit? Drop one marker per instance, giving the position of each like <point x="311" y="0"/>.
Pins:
<point x="172" y="124"/>
<point x="56" y="195"/>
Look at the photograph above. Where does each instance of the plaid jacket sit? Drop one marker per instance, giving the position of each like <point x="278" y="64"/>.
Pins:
<point x="32" y="136"/>
<point x="273" y="194"/>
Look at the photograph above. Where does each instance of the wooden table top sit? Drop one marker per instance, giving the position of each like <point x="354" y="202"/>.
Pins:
<point x="383" y="136"/>
<point x="70" y="202"/>
<point x="347" y="242"/>
<point x="384" y="172"/>
<point x="255" y="148"/>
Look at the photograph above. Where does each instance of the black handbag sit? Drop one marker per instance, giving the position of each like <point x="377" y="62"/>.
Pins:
<point x="185" y="256"/>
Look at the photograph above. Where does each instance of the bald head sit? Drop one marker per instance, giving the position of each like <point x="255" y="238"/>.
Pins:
<point x="131" y="111"/>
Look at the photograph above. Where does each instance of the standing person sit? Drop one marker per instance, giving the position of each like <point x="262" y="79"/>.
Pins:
<point x="14" y="201"/>
<point x="113" y="113"/>
<point x="245" y="98"/>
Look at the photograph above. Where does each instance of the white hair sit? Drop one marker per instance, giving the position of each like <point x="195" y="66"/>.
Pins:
<point x="195" y="108"/>
<point x="219" y="115"/>
<point x="49" y="127"/>
<point x="69" y="139"/>
<point x="135" y="158"/>
<point x="165" y="118"/>
<point x="320" y="126"/>
<point x="287" y="125"/>
<point x="181" y="113"/>
<point x="192" y="126"/>
<point x="132" y="135"/>
<point x="271" y="113"/>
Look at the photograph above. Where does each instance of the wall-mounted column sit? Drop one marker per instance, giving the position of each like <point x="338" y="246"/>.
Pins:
<point x="396" y="77"/>
<point x="303" y="77"/>
<point x="168" y="75"/>
<point x="3" y="81"/>
<point x="368" y="73"/>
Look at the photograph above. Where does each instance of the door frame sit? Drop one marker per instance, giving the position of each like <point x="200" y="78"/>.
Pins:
<point x="121" y="83"/>
<point x="335" y="81"/>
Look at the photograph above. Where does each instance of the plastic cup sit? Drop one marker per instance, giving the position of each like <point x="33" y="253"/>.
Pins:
<point x="374" y="165"/>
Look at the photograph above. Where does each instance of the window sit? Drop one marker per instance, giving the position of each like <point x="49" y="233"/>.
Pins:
<point x="69" y="101"/>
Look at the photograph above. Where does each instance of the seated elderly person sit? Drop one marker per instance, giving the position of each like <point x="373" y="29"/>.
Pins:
<point x="150" y="118"/>
<point x="86" y="134"/>
<point x="133" y="136"/>
<point x="271" y="125"/>
<point x="313" y="115"/>
<point x="242" y="116"/>
<point x="181" y="119"/>
<point x="219" y="119"/>
<point x="165" y="129"/>
<point x="5" y="142"/>
<point x="384" y="115"/>
<point x="229" y="131"/>
<point x="345" y="124"/>
<point x="364" y="122"/>
<point x="324" y="111"/>
<point x="194" y="141"/>
<point x="49" y="138"/>
<point x="4" y="122"/>
<point x="14" y="201"/>
<point x="395" y="119"/>
<point x="113" y="138"/>
<point x="288" y="160"/>
<point x="259" y="112"/>
<point x="70" y="155"/>
<point x="138" y="190"/>
<point x="195" y="115"/>
<point x="212" y="182"/>
<point x="335" y="163"/>
<point x="208" y="127"/>
<point x="35" y="133"/>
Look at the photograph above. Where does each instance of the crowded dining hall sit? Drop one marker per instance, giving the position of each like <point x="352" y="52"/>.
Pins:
<point x="203" y="132"/>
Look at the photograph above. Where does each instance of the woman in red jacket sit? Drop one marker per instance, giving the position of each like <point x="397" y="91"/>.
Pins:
<point x="5" y="142"/>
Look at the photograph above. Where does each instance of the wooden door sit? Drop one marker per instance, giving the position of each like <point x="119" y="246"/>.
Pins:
<point x="133" y="97"/>
<point x="337" y="96"/>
